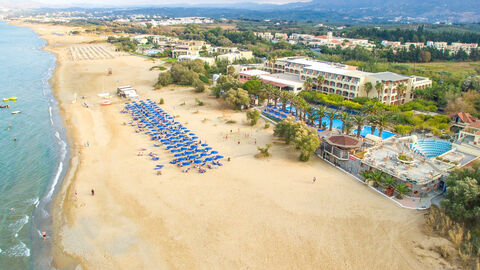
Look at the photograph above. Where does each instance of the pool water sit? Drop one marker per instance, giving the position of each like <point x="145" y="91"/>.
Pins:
<point x="336" y="123"/>
<point x="431" y="148"/>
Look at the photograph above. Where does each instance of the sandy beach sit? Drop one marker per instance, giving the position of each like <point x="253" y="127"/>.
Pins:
<point x="248" y="214"/>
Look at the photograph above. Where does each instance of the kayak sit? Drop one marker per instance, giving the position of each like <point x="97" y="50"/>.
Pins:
<point x="10" y="99"/>
<point x="15" y="112"/>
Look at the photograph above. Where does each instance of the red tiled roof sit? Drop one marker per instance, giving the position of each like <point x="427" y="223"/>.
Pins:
<point x="344" y="141"/>
<point x="475" y="124"/>
<point x="465" y="117"/>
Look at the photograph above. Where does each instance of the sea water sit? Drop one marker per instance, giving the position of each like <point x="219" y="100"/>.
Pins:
<point x="32" y="166"/>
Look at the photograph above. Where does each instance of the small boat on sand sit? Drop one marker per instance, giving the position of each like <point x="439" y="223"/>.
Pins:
<point x="16" y="112"/>
<point x="10" y="99"/>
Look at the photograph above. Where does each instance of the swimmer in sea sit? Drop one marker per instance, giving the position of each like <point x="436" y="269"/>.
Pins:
<point x="44" y="235"/>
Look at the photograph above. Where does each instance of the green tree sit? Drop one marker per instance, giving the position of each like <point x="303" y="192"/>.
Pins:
<point x="332" y="115"/>
<point x="345" y="117"/>
<point x="321" y="111"/>
<point x="307" y="142"/>
<point x="383" y="119"/>
<point x="379" y="87"/>
<point x="308" y="84"/>
<point x="462" y="199"/>
<point x="253" y="116"/>
<point x="237" y="98"/>
<point x="199" y="86"/>
<point x="320" y="82"/>
<point x="367" y="87"/>
<point x="358" y="120"/>
<point x="164" y="79"/>
<point x="402" y="190"/>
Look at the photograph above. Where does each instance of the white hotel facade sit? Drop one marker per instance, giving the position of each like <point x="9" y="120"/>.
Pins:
<point x="349" y="82"/>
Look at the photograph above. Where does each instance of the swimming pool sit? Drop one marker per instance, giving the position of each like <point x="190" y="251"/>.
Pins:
<point x="431" y="148"/>
<point x="368" y="130"/>
<point x="338" y="124"/>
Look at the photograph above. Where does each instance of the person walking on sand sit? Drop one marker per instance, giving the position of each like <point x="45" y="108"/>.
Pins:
<point x="93" y="192"/>
<point x="314" y="179"/>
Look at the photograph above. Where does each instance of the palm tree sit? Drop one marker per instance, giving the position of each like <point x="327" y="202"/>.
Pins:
<point x="368" y="87"/>
<point x="358" y="120"/>
<point x="382" y="122"/>
<point x="321" y="112"/>
<point x="308" y="84"/>
<point x="348" y="126"/>
<point x="388" y="180"/>
<point x="401" y="189"/>
<point x="372" y="120"/>
<point x="284" y="96"/>
<point x="276" y="95"/>
<point x="332" y="115"/>
<point x="379" y="87"/>
<point x="345" y="117"/>
<point x="268" y="91"/>
<point x="320" y="81"/>
<point x="291" y="98"/>
<point x="377" y="177"/>
<point x="309" y="111"/>
<point x="303" y="108"/>
<point x="401" y="88"/>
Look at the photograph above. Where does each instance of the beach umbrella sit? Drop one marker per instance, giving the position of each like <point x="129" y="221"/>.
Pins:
<point x="214" y="152"/>
<point x="208" y="159"/>
<point x="178" y="155"/>
<point x="198" y="151"/>
<point x="191" y="134"/>
<point x="193" y="146"/>
<point x="160" y="166"/>
<point x="188" y="153"/>
<point x="174" y="151"/>
<point x="186" y="163"/>
<point x="181" y="159"/>
<point x="208" y="148"/>
<point x="218" y="157"/>
<point x="197" y="161"/>
<point x="204" y="144"/>
<point x="194" y="137"/>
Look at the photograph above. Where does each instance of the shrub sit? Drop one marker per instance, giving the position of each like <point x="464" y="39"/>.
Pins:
<point x="267" y="125"/>
<point x="164" y="79"/>
<point x="199" y="102"/>
<point x="162" y="101"/>
<point x="253" y="116"/>
<point x="231" y="121"/>
<point x="199" y="87"/>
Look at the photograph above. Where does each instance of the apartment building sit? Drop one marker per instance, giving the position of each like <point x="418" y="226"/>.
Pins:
<point x="349" y="82"/>
<point x="264" y="35"/>
<point x="189" y="47"/>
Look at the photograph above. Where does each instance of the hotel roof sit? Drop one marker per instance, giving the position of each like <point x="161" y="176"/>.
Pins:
<point x="328" y="68"/>
<point x="254" y="72"/>
<point x="389" y="76"/>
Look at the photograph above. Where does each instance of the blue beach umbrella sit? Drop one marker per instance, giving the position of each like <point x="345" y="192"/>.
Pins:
<point x="197" y="161"/>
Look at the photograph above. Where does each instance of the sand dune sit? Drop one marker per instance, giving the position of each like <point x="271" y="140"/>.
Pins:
<point x="248" y="214"/>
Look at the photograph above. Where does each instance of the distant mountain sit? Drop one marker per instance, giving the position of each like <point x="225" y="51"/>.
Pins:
<point x="360" y="11"/>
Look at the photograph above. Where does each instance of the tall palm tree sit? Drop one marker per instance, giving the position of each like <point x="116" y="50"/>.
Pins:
<point x="332" y="115"/>
<point x="284" y="96"/>
<point x="267" y="89"/>
<point x="291" y="98"/>
<point x="309" y="112"/>
<point x="303" y="108"/>
<point x="321" y="112"/>
<point x="358" y="120"/>
<point x="372" y="120"/>
<point x="320" y="81"/>
<point x="308" y="84"/>
<point x="276" y="95"/>
<point x="345" y="117"/>
<point x="368" y="88"/>
<point x="401" y="88"/>
<point x="379" y="87"/>
<point x="348" y="126"/>
<point x="383" y="120"/>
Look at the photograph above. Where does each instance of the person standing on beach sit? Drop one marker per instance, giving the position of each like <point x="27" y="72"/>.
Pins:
<point x="314" y="179"/>
<point x="93" y="192"/>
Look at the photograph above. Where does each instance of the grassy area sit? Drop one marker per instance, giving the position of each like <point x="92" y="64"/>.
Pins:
<point x="169" y="60"/>
<point x="454" y="67"/>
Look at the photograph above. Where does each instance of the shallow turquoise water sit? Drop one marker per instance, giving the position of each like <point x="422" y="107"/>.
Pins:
<point x="31" y="166"/>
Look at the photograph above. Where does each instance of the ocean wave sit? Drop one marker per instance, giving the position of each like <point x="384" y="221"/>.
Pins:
<point x="34" y="201"/>
<point x="55" y="181"/>
<point x="16" y="226"/>
<point x="19" y="250"/>
<point x="50" y="112"/>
